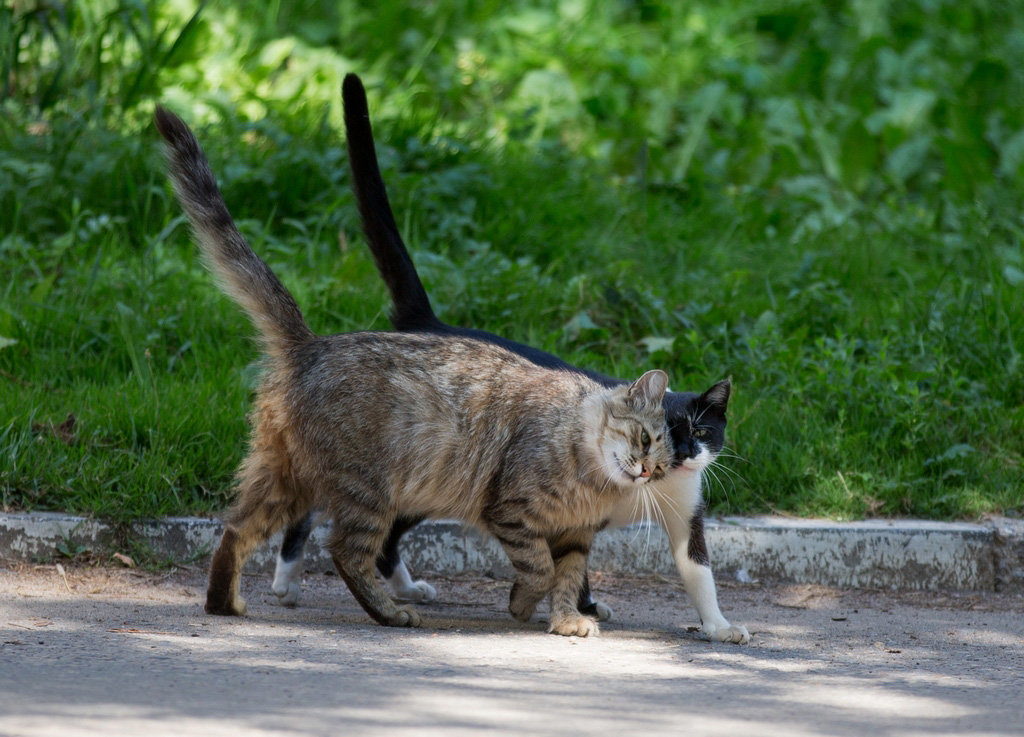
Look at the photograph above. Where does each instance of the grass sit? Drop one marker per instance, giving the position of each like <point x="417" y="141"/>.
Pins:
<point x="821" y="201"/>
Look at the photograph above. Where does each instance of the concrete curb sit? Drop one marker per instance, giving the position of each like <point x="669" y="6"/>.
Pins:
<point x="897" y="554"/>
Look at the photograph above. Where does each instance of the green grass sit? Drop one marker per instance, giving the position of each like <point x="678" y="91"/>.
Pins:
<point x="821" y="201"/>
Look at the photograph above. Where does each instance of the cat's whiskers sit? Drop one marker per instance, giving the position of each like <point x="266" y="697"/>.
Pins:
<point x="729" y="473"/>
<point x="641" y="504"/>
<point x="609" y="479"/>
<point x="638" y="500"/>
<point x="710" y="470"/>
<point x="650" y="506"/>
<point x="669" y="503"/>
<point x="730" y="453"/>
<point x="660" y="515"/>
<point x="596" y="465"/>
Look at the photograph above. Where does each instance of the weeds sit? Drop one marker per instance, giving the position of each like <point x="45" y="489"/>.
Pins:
<point x="820" y="201"/>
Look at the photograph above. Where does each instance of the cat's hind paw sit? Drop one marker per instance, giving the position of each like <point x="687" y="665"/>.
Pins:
<point x="522" y="602"/>
<point x="222" y="607"/>
<point x="418" y="591"/>
<point x="404" y="616"/>
<point x="287" y="583"/>
<point x="736" y="633"/>
<point x="288" y="593"/>
<point x="408" y="590"/>
<point x="601" y="612"/>
<point x="573" y="624"/>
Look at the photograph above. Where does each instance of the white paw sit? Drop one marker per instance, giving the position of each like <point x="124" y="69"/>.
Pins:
<point x="604" y="612"/>
<point x="420" y="591"/>
<point x="287" y="592"/>
<point x="727" y="633"/>
<point x="287" y="583"/>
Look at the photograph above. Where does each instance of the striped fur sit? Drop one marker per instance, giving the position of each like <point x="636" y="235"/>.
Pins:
<point x="697" y="422"/>
<point x="373" y="427"/>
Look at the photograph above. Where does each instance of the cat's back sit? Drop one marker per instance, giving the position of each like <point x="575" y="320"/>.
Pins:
<point x="438" y="415"/>
<point x="385" y="372"/>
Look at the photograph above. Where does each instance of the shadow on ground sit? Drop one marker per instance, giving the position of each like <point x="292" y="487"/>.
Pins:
<point x="118" y="653"/>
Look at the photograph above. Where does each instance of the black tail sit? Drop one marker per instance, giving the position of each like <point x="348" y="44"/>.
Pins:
<point x="411" y="309"/>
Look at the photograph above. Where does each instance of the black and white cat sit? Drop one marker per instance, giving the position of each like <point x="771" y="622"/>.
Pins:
<point x="697" y="421"/>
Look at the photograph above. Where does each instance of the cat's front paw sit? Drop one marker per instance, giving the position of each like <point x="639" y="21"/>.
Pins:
<point x="404" y="616"/>
<point x="573" y="624"/>
<point x="726" y="632"/>
<point x="419" y="591"/>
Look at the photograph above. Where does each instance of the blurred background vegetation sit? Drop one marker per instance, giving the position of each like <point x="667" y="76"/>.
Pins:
<point x="821" y="200"/>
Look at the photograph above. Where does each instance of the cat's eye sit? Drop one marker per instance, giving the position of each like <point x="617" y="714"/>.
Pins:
<point x="645" y="439"/>
<point x="700" y="432"/>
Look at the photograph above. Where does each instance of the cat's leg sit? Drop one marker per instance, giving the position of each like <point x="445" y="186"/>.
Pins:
<point x="288" y="571"/>
<point x="265" y="503"/>
<point x="393" y="568"/>
<point x="686" y="536"/>
<point x="530" y="556"/>
<point x="356" y="568"/>
<point x="287" y="586"/>
<point x="361" y="526"/>
<point x="588" y="606"/>
<point x="569" y="553"/>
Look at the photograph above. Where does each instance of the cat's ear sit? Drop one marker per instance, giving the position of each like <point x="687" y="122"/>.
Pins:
<point x="718" y="395"/>
<point x="649" y="388"/>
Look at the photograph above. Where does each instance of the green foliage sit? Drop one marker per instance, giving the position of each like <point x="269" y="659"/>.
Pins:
<point x="821" y="201"/>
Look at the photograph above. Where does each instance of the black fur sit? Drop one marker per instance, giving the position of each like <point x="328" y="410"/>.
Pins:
<point x="586" y="604"/>
<point x="390" y="557"/>
<point x="697" y="551"/>
<point x="295" y="538"/>
<point x="411" y="307"/>
<point x="411" y="312"/>
<point x="688" y="413"/>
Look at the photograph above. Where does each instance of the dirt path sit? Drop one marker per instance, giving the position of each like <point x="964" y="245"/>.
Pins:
<point x="117" y="652"/>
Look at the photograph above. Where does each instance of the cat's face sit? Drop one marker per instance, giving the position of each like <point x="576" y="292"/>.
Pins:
<point x="635" y="444"/>
<point x="697" y="427"/>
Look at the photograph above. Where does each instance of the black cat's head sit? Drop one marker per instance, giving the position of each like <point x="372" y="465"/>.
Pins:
<point x="697" y="424"/>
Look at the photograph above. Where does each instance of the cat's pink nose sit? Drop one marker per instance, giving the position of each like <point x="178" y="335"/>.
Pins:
<point x="645" y="473"/>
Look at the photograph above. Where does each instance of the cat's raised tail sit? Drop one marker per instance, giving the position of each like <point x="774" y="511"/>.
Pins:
<point x="241" y="273"/>
<point x="412" y="310"/>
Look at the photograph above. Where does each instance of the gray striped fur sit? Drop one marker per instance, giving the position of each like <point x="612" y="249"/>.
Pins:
<point x="369" y="426"/>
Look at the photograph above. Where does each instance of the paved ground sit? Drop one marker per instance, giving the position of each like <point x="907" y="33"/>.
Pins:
<point x="117" y="652"/>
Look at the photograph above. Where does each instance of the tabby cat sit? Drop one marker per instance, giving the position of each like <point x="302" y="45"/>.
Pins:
<point x="373" y="427"/>
<point x="697" y="421"/>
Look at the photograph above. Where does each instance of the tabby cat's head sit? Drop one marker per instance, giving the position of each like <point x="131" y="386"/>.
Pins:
<point x="634" y="442"/>
<point x="697" y="426"/>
